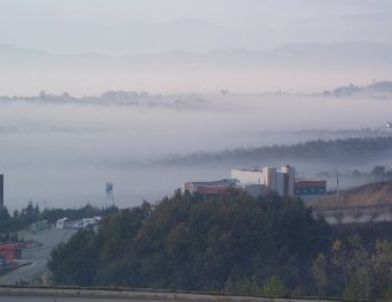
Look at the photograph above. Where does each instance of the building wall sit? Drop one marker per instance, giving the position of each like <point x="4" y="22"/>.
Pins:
<point x="11" y="251"/>
<point x="289" y="179"/>
<point x="256" y="190"/>
<point x="310" y="187"/>
<point x="279" y="183"/>
<point x="248" y="177"/>
<point x="270" y="178"/>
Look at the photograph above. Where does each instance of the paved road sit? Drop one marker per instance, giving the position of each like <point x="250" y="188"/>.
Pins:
<point x="38" y="256"/>
<point x="60" y="299"/>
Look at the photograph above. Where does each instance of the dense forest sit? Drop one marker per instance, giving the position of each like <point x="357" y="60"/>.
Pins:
<point x="229" y="244"/>
<point x="349" y="150"/>
<point x="186" y="242"/>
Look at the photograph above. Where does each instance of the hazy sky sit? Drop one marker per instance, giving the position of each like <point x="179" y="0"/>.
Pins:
<point x="129" y="26"/>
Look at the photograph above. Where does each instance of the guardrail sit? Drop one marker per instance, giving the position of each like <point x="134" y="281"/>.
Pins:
<point x="146" y="294"/>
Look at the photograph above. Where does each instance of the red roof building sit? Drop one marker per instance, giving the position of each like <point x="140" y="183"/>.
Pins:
<point x="11" y="251"/>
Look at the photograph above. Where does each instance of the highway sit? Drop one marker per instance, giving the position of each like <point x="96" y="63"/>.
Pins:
<point x="59" y="299"/>
<point x="77" y="294"/>
<point x="38" y="256"/>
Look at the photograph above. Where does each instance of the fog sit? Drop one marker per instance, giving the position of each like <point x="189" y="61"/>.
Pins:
<point x="221" y="75"/>
<point x="298" y="67"/>
<point x="123" y="26"/>
<point x="61" y="154"/>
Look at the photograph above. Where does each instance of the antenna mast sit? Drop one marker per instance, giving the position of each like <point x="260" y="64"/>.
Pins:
<point x="337" y="187"/>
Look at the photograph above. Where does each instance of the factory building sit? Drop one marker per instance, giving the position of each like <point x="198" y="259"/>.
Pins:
<point x="279" y="181"/>
<point x="258" y="182"/>
<point x="209" y="187"/>
<point x="220" y="187"/>
<point x="11" y="251"/>
<point x="289" y="179"/>
<point x="304" y="187"/>
<point x="248" y="177"/>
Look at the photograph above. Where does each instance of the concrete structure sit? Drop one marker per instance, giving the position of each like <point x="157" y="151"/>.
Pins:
<point x="258" y="182"/>
<point x="289" y="179"/>
<point x="269" y="175"/>
<point x="61" y="223"/>
<point x="209" y="187"/>
<point x="281" y="182"/>
<point x="248" y="177"/>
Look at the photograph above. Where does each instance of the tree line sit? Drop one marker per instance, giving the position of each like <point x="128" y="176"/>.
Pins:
<point x="195" y="243"/>
<point x="348" y="150"/>
<point x="11" y="224"/>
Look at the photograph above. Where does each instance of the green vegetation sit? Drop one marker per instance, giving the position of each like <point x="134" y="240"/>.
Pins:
<point x="10" y="225"/>
<point x="231" y="243"/>
<point x="355" y="272"/>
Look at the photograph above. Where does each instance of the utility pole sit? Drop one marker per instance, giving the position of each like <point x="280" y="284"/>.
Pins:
<point x="337" y="187"/>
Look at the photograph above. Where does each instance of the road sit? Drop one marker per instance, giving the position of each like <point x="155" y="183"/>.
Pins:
<point x="38" y="256"/>
<point x="90" y="295"/>
<point x="59" y="299"/>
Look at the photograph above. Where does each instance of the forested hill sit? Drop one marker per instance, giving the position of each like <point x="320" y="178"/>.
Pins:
<point x="230" y="244"/>
<point x="194" y="244"/>
<point x="350" y="150"/>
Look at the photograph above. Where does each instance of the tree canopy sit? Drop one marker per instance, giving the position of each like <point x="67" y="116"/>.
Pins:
<point x="196" y="243"/>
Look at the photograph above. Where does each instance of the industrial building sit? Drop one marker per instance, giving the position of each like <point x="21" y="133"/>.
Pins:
<point x="84" y="223"/>
<point x="273" y="180"/>
<point x="305" y="187"/>
<point x="258" y="182"/>
<point x="209" y="187"/>
<point x="11" y="251"/>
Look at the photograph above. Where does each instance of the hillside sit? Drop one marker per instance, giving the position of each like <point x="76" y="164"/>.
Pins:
<point x="375" y="90"/>
<point x="235" y="69"/>
<point x="191" y="243"/>
<point x="230" y="244"/>
<point x="344" y="151"/>
<point x="374" y="194"/>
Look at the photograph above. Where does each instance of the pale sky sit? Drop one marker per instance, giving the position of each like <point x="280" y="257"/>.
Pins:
<point x="134" y="26"/>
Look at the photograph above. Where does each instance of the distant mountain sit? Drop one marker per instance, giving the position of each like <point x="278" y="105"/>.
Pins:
<point x="346" y="151"/>
<point x="374" y="89"/>
<point x="299" y="54"/>
<point x="293" y="66"/>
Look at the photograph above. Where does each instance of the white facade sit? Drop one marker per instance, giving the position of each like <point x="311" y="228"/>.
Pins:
<point x="270" y="178"/>
<point x="60" y="224"/>
<point x="281" y="182"/>
<point x="248" y="177"/>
